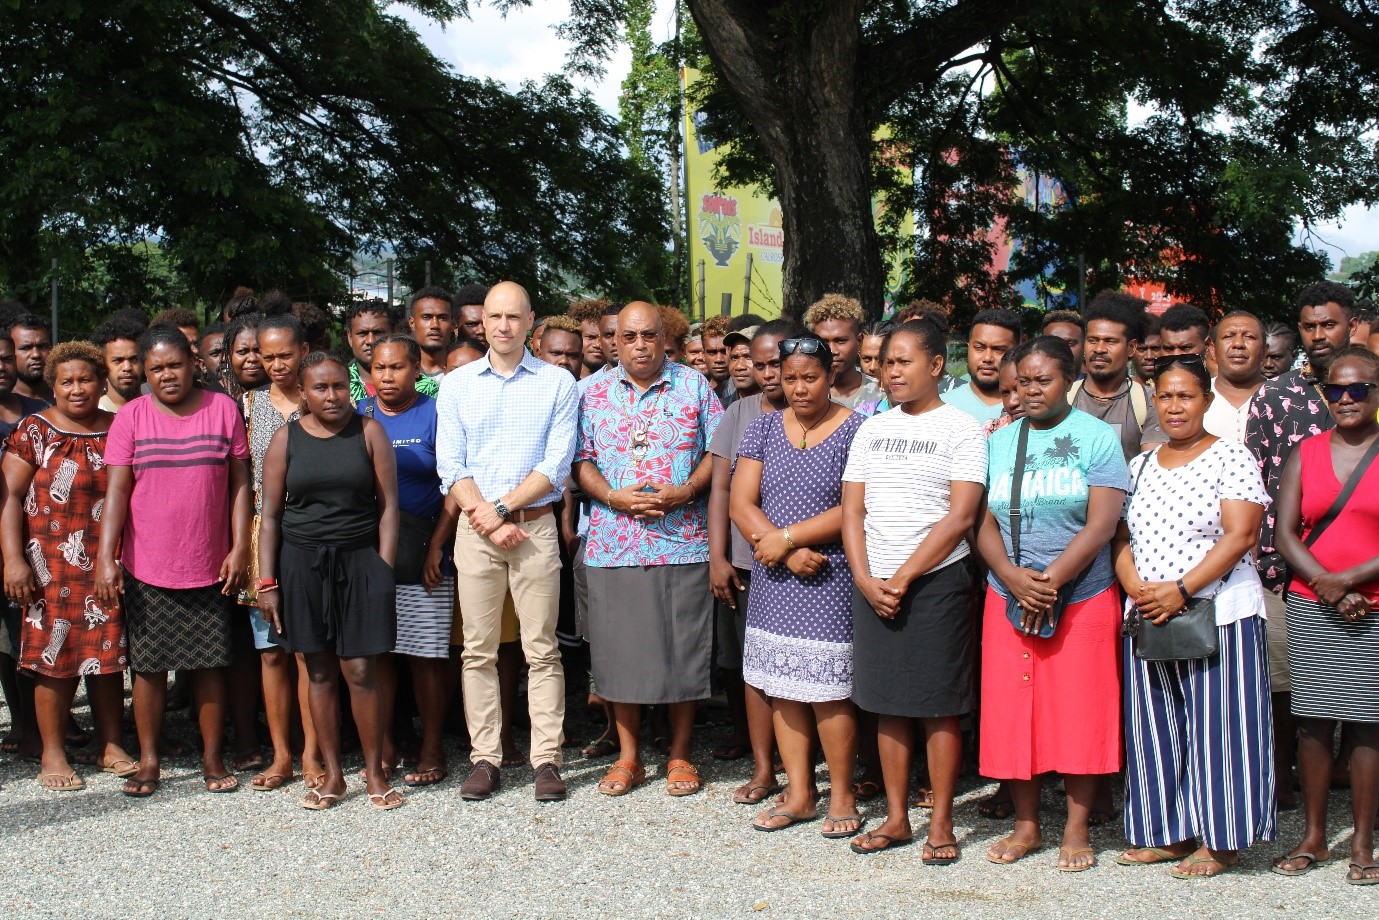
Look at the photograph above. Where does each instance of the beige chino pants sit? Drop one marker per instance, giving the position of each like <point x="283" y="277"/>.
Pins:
<point x="486" y="574"/>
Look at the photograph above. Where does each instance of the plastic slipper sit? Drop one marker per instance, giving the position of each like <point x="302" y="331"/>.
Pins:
<point x="1312" y="862"/>
<point x="995" y="809"/>
<point x="682" y="771"/>
<point x="227" y="783"/>
<point x="924" y="798"/>
<point x="731" y="752"/>
<point x="746" y="794"/>
<point x="248" y="762"/>
<point x="129" y="768"/>
<point x="318" y="801"/>
<point x="1195" y="860"/>
<point x="1160" y="856"/>
<point x="599" y="747"/>
<point x="313" y="780"/>
<point x="387" y="801"/>
<point x="866" y="790"/>
<point x="1096" y="817"/>
<point x="791" y="819"/>
<point x="1351" y="878"/>
<point x="928" y="855"/>
<point x="267" y="782"/>
<point x="1009" y="844"/>
<point x="137" y="788"/>
<point x="515" y="759"/>
<point x="624" y="772"/>
<point x="67" y="782"/>
<point x="890" y="843"/>
<point x="1067" y="855"/>
<point x="836" y="834"/>
<point x="426" y="777"/>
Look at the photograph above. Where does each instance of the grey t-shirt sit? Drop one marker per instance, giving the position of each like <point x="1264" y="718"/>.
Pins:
<point x="725" y="442"/>
<point x="1119" y="412"/>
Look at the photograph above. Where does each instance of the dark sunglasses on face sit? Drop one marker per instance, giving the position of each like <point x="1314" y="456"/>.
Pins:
<point x="803" y="346"/>
<point x="1358" y="392"/>
<point x="1164" y="363"/>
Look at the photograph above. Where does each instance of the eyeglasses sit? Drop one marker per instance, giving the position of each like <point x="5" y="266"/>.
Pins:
<point x="1164" y="362"/>
<point x="1358" y="392"/>
<point x="803" y="346"/>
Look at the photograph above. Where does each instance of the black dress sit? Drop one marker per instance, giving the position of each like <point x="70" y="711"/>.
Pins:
<point x="338" y="594"/>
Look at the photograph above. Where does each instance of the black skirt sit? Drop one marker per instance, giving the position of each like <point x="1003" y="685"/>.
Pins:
<point x="172" y="629"/>
<point x="919" y="664"/>
<point x="336" y="600"/>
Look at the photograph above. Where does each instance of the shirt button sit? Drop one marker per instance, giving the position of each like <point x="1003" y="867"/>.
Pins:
<point x="1025" y="655"/>
<point x="1026" y="677"/>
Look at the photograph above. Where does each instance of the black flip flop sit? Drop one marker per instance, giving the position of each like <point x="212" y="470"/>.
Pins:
<point x="939" y="860"/>
<point x="891" y="843"/>
<point x="220" y="779"/>
<point x="1312" y="862"/>
<point x="1356" y="867"/>
<point x="143" y="788"/>
<point x="839" y="835"/>
<point x="774" y="812"/>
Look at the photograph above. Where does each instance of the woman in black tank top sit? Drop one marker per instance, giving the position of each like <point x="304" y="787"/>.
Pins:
<point x="326" y="545"/>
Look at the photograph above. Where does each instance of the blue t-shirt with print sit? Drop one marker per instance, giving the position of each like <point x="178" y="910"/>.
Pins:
<point x="1063" y="464"/>
<point x="413" y="434"/>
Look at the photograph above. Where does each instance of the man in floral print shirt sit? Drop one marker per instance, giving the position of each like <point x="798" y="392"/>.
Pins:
<point x="1290" y="407"/>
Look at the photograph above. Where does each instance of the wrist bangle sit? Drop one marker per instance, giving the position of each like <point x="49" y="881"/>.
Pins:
<point x="609" y="500"/>
<point x="265" y="589"/>
<point x="1187" y="597"/>
<point x="785" y="532"/>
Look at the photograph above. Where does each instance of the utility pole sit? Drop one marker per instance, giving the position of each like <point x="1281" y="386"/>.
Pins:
<point x="390" y="282"/>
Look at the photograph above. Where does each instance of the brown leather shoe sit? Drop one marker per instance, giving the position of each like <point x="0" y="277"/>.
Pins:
<point x="482" y="782"/>
<point x="549" y="786"/>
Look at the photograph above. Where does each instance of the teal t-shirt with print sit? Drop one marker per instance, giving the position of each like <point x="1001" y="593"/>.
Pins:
<point x="1063" y="464"/>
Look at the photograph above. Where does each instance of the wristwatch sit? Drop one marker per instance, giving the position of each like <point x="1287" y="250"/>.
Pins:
<point x="502" y="510"/>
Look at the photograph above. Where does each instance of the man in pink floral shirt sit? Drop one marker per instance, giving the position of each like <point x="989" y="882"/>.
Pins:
<point x="642" y="459"/>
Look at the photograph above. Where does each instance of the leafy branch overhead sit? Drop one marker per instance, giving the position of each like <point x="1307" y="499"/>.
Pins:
<point x="266" y="142"/>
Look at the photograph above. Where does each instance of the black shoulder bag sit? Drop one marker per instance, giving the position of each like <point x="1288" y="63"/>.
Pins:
<point x="1013" y="611"/>
<point x="413" y="537"/>
<point x="1186" y="637"/>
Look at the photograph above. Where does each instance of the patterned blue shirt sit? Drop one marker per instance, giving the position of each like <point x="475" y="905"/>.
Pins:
<point x="673" y="422"/>
<point x="497" y="429"/>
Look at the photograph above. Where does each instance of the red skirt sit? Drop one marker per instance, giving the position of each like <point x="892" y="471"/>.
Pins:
<point x="1052" y="705"/>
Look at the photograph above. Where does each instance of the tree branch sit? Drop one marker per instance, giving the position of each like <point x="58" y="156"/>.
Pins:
<point x="1337" y="17"/>
<point x="928" y="48"/>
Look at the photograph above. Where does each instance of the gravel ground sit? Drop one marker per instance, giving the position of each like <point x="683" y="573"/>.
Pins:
<point x="185" y="853"/>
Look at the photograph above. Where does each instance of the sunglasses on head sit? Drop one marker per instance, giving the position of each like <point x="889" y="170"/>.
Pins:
<point x="1163" y="363"/>
<point x="803" y="346"/>
<point x="1358" y="392"/>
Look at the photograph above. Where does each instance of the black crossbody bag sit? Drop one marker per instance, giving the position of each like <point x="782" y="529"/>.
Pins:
<point x="1013" y="611"/>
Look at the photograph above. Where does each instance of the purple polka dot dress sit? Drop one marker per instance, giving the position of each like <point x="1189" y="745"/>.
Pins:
<point x="799" y="630"/>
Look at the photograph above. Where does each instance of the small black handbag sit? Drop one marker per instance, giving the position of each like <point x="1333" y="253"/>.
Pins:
<point x="1188" y="636"/>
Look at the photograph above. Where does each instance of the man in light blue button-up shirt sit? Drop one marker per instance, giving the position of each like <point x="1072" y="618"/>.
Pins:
<point x="506" y="428"/>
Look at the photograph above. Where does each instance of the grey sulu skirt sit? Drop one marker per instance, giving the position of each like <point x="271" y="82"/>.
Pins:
<point x="650" y="631"/>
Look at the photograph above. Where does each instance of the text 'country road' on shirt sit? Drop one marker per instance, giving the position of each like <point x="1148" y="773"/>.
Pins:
<point x="908" y="463"/>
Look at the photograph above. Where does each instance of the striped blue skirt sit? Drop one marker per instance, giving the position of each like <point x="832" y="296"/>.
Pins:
<point x="1199" y="741"/>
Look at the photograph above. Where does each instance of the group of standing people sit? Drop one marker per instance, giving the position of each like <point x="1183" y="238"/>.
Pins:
<point x="1078" y="547"/>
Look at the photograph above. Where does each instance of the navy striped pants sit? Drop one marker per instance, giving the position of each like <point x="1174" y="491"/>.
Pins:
<point x="1199" y="741"/>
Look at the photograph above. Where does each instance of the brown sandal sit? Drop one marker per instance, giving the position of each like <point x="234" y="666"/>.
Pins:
<point x="682" y="771"/>
<point x="625" y="773"/>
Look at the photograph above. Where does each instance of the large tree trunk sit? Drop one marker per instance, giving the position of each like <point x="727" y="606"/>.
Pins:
<point x="801" y="88"/>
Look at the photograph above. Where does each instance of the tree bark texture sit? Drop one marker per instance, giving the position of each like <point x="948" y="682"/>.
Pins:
<point x="801" y="89"/>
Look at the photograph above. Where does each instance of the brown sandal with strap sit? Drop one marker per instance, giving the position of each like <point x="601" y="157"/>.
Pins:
<point x="625" y="773"/>
<point x="681" y="771"/>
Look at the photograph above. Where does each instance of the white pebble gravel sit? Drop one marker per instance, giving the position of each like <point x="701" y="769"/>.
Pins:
<point x="186" y="853"/>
